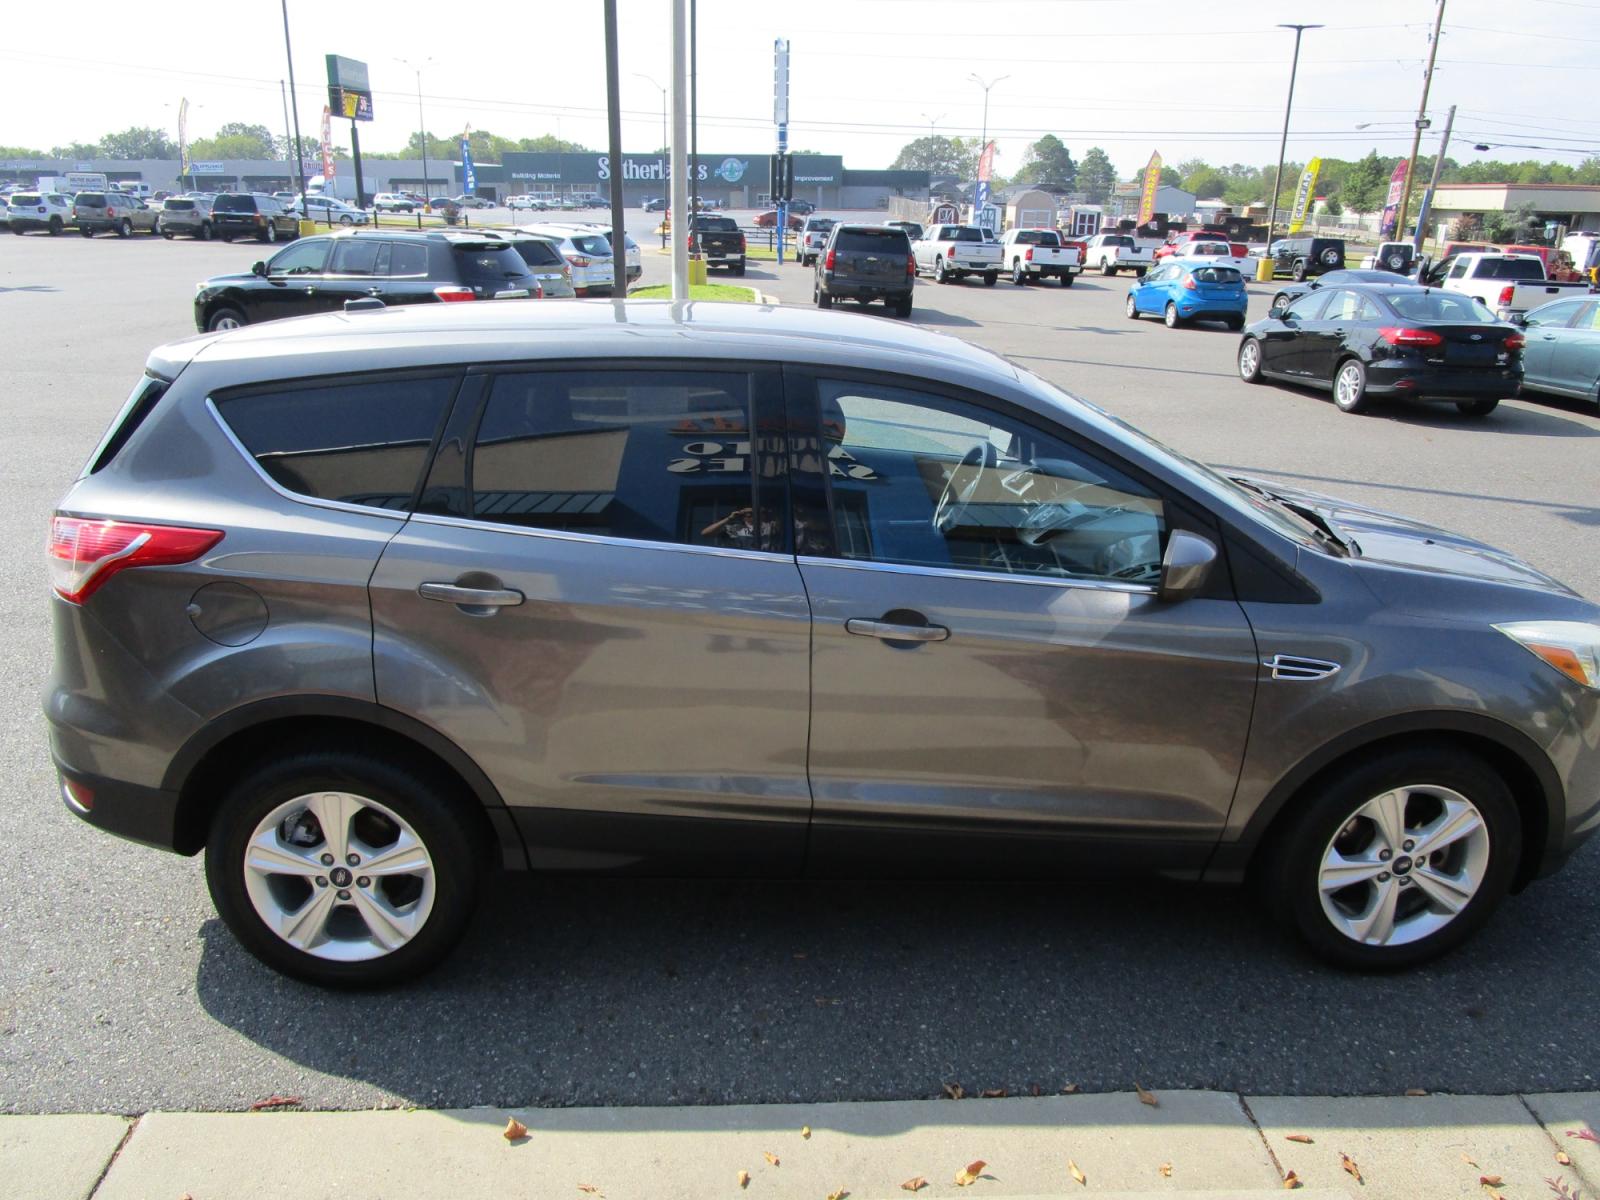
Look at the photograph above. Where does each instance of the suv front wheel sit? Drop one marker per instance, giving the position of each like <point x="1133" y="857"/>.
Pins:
<point x="343" y="869"/>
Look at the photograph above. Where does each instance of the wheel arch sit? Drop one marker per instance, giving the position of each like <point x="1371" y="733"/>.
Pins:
<point x="1532" y="779"/>
<point x="199" y="771"/>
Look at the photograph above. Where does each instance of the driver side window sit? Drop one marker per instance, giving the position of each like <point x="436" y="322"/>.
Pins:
<point x="302" y="258"/>
<point x="925" y="480"/>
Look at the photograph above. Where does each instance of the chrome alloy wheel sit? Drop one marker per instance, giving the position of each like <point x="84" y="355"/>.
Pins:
<point x="1404" y="865"/>
<point x="339" y="876"/>
<point x="1347" y="387"/>
<point x="1249" y="358"/>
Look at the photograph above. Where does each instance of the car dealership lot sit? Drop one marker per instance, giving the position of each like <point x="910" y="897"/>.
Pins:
<point x="120" y="990"/>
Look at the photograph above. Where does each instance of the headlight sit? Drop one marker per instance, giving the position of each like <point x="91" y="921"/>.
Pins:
<point x="1571" y="647"/>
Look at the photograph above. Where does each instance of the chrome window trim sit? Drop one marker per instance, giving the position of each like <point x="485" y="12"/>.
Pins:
<point x="296" y="497"/>
<point x="595" y="539"/>
<point x="1100" y="585"/>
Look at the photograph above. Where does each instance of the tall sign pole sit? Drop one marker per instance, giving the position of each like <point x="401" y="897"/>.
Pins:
<point x="294" y="102"/>
<point x="780" y="117"/>
<point x="680" y="157"/>
<point x="1422" y="123"/>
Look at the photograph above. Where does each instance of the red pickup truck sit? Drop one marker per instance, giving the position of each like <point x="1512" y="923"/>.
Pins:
<point x="1186" y="237"/>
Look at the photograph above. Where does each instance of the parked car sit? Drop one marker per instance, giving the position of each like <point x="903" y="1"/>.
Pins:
<point x="1179" y="238"/>
<point x="587" y="252"/>
<point x="1115" y="252"/>
<point x="474" y="201"/>
<point x="251" y="214"/>
<point x="394" y="202"/>
<point x="1302" y="257"/>
<point x="1183" y="290"/>
<point x="1562" y="354"/>
<point x="51" y="211"/>
<point x="655" y="204"/>
<point x="913" y="228"/>
<point x="401" y="608"/>
<point x="324" y="273"/>
<point x="1363" y="342"/>
<point x="804" y="207"/>
<point x="190" y="215"/>
<point x="1506" y="284"/>
<point x="721" y="242"/>
<point x="866" y="263"/>
<point x="769" y="220"/>
<point x="1040" y="254"/>
<point x="112" y="212"/>
<point x="524" y="203"/>
<point x="542" y="254"/>
<point x="1398" y="258"/>
<point x="952" y="252"/>
<point x="813" y="237"/>
<point x="1289" y="292"/>
<point x="328" y="210"/>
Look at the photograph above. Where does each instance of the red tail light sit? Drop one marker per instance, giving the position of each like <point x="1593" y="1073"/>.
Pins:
<point x="1515" y="342"/>
<point x="951" y="251"/>
<point x="84" y="554"/>
<point x="1189" y="285"/>
<point x="911" y="266"/>
<point x="741" y="242"/>
<point x="1506" y="293"/>
<point x="454" y="292"/>
<point x="1030" y="253"/>
<point x="827" y="263"/>
<point x="1397" y="336"/>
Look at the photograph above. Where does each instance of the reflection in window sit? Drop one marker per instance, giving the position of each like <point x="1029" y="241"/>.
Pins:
<point x="930" y="481"/>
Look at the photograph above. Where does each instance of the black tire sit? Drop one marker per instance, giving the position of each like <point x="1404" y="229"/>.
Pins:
<point x="214" y="322"/>
<point x="55" y="226"/>
<point x="822" y="298"/>
<point x="990" y="278"/>
<point x="1067" y="279"/>
<point x="269" y="234"/>
<point x="1477" y="408"/>
<point x="1138" y="272"/>
<point x="1250" y="364"/>
<point x="1298" y="274"/>
<point x="1018" y="275"/>
<point x="1131" y="308"/>
<point x="85" y="230"/>
<point x="432" y="806"/>
<point x="124" y="228"/>
<point x="1171" y="317"/>
<point x="205" y="231"/>
<point x="1289" y="863"/>
<point x="166" y="235"/>
<point x="902" y="308"/>
<point x="1106" y="268"/>
<point x="1355" y="399"/>
<point x="227" y="237"/>
<point x="1236" y="323"/>
<point x="739" y="269"/>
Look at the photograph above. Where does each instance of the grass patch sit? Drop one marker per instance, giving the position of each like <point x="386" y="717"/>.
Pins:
<point x="697" y="291"/>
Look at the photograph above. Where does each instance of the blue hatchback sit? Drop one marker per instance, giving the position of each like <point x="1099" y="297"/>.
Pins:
<point x="1190" y="291"/>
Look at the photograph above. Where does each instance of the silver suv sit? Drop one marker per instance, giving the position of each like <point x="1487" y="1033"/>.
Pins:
<point x="186" y="214"/>
<point x="365" y="604"/>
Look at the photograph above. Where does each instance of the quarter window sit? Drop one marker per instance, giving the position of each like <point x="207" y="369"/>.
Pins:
<point x="1307" y="307"/>
<point x="407" y="259"/>
<point x="929" y="481"/>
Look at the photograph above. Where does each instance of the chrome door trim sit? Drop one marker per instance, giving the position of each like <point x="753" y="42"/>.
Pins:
<point x="1099" y="585"/>
<point x="562" y="535"/>
<point x="891" y="632"/>
<point x="450" y="593"/>
<point x="1294" y="666"/>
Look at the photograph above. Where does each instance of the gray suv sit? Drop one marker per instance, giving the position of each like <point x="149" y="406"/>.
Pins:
<point x="366" y="604"/>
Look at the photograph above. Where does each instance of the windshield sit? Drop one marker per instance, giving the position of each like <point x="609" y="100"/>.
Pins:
<point x="1509" y="268"/>
<point x="234" y="204"/>
<point x="1441" y="306"/>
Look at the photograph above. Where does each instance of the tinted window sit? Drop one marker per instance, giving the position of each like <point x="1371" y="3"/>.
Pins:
<point x="930" y="481"/>
<point x="592" y="243"/>
<point x="1038" y="237"/>
<point x="141" y="402"/>
<point x="965" y="234"/>
<point x="1441" y="306"/>
<point x="1509" y="268"/>
<point x="657" y="456"/>
<point x="353" y="256"/>
<point x="358" y="442"/>
<point x="302" y="258"/>
<point x="25" y="198"/>
<point x="90" y="200"/>
<point x="1349" y="306"/>
<point x="716" y="224"/>
<point x="175" y="205"/>
<point x="539" y="254"/>
<point x="1308" y="306"/>
<point x="872" y="241"/>
<point x="491" y="266"/>
<point x="1217" y="275"/>
<point x="407" y="258"/>
<point x="234" y="204"/>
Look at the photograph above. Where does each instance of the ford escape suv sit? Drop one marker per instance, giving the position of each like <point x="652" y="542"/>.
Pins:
<point x="365" y="604"/>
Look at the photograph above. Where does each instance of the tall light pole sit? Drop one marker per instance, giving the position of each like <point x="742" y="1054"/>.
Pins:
<point x="294" y="102"/>
<point x="984" y="140"/>
<point x="679" y="204"/>
<point x="422" y="127"/>
<point x="1433" y="184"/>
<point x="1422" y="123"/>
<point x="663" y="92"/>
<point x="932" y="121"/>
<point x="1283" y="143"/>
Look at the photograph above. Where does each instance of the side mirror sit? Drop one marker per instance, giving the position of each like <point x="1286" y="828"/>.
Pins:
<point x="259" y="268"/>
<point x="1519" y="319"/>
<point x="1185" y="566"/>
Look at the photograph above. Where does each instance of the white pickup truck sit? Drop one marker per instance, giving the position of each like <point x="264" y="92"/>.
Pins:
<point x="1114" y="252"/>
<point x="1506" y="284"/>
<point x="951" y="252"/>
<point x="1031" y="254"/>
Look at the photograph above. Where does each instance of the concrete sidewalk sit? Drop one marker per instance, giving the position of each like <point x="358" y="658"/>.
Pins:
<point x="1215" y="1145"/>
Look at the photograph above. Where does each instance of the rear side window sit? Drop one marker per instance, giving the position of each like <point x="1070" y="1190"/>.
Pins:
<point x="408" y="259"/>
<point x="872" y="241"/>
<point x="590" y="243"/>
<point x="90" y="200"/>
<point x="539" y="254"/>
<point x="489" y="266"/>
<point x="141" y="402"/>
<point x="1509" y="268"/>
<point x="26" y="198"/>
<point x="353" y="256"/>
<point x="357" y="442"/>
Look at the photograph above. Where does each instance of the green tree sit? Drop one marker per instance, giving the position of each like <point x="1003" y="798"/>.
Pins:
<point x="1048" y="163"/>
<point x="1207" y="183"/>
<point x="1096" y="175"/>
<point x="137" y="142"/>
<point x="1169" y="177"/>
<point x="548" y="142"/>
<point x="1363" y="189"/>
<point x="1332" y="207"/>
<point x="20" y="152"/>
<point x="939" y="155"/>
<point x="257" y="136"/>
<point x="76" y="150"/>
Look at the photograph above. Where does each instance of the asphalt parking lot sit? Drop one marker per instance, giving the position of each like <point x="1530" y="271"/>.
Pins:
<point x="121" y="991"/>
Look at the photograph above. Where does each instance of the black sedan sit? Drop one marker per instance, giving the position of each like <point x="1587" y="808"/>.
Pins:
<point x="1290" y="292"/>
<point x="1367" y="341"/>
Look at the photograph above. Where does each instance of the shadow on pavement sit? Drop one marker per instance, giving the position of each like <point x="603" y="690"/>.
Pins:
<point x="933" y="316"/>
<point x="579" y="992"/>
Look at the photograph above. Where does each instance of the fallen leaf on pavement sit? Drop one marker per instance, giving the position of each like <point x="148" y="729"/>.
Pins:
<point x="1583" y="1135"/>
<point x="588" y="1189"/>
<point x="1076" y="1173"/>
<point x="1304" y="1139"/>
<point x="968" y="1175"/>
<point x="772" y="1159"/>
<point x="1166" y="1170"/>
<point x="1491" y="1194"/>
<point x="1349" y="1164"/>
<point x="839" y="1195"/>
<point x="805" y="1131"/>
<point x="514" y="1129"/>
<point x="744" y="1179"/>
<point x="954" y="1091"/>
<point x="1291" y="1181"/>
<point x="992" y="1093"/>
<point x="1416" y="1091"/>
<point x="1491" y="1181"/>
<point x="1466" y="1158"/>
<point x="1563" y="1158"/>
<point x="275" y="1102"/>
<point x="915" y="1184"/>
<point x="1146" y="1097"/>
<point x="1070" y="1090"/>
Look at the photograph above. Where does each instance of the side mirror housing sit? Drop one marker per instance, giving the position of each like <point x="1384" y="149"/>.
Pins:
<point x="1519" y="319"/>
<point x="1185" y="566"/>
<point x="259" y="268"/>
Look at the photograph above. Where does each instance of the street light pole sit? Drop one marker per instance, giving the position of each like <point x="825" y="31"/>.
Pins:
<point x="1283" y="143"/>
<point x="422" y="130"/>
<point x="294" y="101"/>
<point x="1422" y="123"/>
<point x="984" y="140"/>
<point x="932" y="121"/>
<point x="663" y="92"/>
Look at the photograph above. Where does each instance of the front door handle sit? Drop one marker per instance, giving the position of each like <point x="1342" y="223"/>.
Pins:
<point x="470" y="597"/>
<point x="311" y="291"/>
<point x="891" y="632"/>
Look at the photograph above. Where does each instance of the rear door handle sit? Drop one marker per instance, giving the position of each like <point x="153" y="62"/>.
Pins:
<point x="896" y="633"/>
<point x="470" y="597"/>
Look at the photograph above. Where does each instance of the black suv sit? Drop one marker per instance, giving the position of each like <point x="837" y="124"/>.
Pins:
<point x="866" y="263"/>
<point x="1298" y="257"/>
<point x="251" y="214"/>
<point x="320" y="274"/>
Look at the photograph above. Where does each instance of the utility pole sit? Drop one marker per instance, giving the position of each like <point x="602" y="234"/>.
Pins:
<point x="1422" y="123"/>
<point x="619" y="237"/>
<point x="295" y="102"/>
<point x="422" y="133"/>
<point x="680" y="157"/>
<point x="292" y="158"/>
<point x="694" y="128"/>
<point x="1433" y="184"/>
<point x="1283" y="145"/>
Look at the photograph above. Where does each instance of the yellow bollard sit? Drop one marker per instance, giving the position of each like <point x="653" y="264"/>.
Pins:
<point x="307" y="228"/>
<point x="697" y="271"/>
<point x="1264" y="271"/>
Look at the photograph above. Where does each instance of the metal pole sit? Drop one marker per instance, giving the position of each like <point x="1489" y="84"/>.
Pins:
<point x="292" y="154"/>
<point x="680" y="159"/>
<point x="1433" y="184"/>
<point x="422" y="133"/>
<point x="694" y="130"/>
<point x="355" y="153"/>
<point x="619" y="236"/>
<point x="295" y="103"/>
<point x="1416" y="137"/>
<point x="1283" y="143"/>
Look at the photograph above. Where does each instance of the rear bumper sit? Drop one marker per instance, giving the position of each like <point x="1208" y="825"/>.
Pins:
<point x="1213" y="309"/>
<point x="849" y="289"/>
<point x="140" y="814"/>
<point x="1444" y="383"/>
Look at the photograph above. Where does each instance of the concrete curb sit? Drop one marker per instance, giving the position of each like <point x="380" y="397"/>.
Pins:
<point x="1216" y="1145"/>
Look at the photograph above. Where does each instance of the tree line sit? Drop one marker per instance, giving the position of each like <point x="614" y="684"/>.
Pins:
<point x="240" y="140"/>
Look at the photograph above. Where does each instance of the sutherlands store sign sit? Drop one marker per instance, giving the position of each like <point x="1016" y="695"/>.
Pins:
<point x="730" y="170"/>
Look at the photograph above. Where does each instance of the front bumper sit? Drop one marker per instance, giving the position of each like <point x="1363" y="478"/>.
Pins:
<point x="1443" y="383"/>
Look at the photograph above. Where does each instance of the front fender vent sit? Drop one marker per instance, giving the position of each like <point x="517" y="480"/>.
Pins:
<point x="1291" y="666"/>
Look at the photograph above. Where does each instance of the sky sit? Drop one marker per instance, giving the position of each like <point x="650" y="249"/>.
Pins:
<point x="867" y="76"/>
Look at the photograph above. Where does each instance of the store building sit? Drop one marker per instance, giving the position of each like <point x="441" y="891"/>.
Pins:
<point x="1574" y="205"/>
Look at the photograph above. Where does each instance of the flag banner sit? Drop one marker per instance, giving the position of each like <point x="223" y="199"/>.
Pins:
<point x="327" y="145"/>
<point x="1304" y="194"/>
<point x="469" y="177"/>
<point x="1397" y="187"/>
<point x="1152" y="180"/>
<point x="183" y="136"/>
<point x="986" y="163"/>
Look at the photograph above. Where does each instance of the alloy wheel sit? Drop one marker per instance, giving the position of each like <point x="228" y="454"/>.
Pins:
<point x="1249" y="359"/>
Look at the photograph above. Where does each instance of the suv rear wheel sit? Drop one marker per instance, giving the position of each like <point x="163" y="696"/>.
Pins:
<point x="341" y="868"/>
